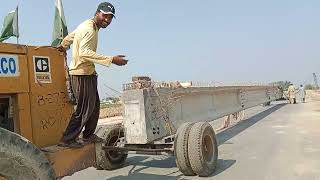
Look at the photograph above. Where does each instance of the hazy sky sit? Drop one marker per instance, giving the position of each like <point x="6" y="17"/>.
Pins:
<point x="208" y="40"/>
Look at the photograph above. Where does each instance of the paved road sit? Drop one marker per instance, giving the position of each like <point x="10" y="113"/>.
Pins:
<point x="277" y="142"/>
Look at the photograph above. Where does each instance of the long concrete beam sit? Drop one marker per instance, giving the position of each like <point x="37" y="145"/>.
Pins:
<point x="152" y="113"/>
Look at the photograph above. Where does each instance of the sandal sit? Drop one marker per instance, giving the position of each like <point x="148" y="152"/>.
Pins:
<point x="92" y="139"/>
<point x="71" y="144"/>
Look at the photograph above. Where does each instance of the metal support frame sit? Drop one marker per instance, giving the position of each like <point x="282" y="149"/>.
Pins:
<point x="150" y="149"/>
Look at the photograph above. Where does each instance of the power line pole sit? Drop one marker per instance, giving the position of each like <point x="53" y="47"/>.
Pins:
<point x="315" y="79"/>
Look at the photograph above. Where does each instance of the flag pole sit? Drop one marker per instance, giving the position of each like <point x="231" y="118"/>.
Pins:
<point x="18" y="23"/>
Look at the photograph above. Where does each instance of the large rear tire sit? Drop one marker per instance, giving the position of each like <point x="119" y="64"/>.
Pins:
<point x="108" y="159"/>
<point x="202" y="149"/>
<point x="181" y="149"/>
<point x="21" y="160"/>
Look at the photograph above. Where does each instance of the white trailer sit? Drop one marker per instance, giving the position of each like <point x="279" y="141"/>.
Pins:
<point x="166" y="118"/>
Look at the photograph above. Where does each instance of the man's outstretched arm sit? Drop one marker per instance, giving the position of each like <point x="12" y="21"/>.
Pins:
<point x="86" y="53"/>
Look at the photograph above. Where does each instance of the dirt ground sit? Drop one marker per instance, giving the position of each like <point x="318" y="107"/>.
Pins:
<point x="111" y="111"/>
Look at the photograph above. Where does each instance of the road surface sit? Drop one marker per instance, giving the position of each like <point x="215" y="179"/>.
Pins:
<point x="281" y="141"/>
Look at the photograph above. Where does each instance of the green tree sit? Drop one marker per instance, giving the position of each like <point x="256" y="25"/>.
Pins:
<point x="283" y="85"/>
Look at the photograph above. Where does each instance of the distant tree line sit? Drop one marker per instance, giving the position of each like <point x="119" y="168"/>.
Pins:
<point x="310" y="87"/>
<point x="283" y="85"/>
<point x="111" y="100"/>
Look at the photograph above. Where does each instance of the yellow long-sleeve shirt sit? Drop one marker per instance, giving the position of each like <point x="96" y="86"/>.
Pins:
<point x="85" y="41"/>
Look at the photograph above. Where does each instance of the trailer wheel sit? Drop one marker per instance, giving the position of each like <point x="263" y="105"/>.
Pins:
<point x="181" y="149"/>
<point x="108" y="159"/>
<point x="202" y="149"/>
<point x="20" y="159"/>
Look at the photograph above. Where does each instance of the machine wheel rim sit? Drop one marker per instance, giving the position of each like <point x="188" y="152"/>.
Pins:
<point x="113" y="155"/>
<point x="207" y="148"/>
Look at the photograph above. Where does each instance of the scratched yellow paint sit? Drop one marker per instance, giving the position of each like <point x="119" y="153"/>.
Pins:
<point x="23" y="120"/>
<point x="49" y="107"/>
<point x="66" y="161"/>
<point x="41" y="109"/>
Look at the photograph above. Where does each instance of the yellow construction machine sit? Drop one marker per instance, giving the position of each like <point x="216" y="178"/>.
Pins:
<point x="34" y="112"/>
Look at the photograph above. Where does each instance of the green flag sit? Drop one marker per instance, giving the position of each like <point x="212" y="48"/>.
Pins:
<point x="10" y="26"/>
<point x="60" y="26"/>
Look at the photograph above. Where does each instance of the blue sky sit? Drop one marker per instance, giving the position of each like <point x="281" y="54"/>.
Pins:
<point x="209" y="40"/>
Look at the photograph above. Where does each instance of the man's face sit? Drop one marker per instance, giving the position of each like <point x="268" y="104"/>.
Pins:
<point x="103" y="20"/>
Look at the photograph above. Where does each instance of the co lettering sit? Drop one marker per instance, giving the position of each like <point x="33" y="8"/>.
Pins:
<point x="8" y="66"/>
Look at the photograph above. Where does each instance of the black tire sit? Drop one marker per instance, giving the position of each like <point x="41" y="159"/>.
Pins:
<point x="203" y="149"/>
<point x="109" y="160"/>
<point x="181" y="149"/>
<point x="21" y="160"/>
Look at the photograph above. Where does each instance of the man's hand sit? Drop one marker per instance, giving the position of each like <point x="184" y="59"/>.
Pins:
<point x="62" y="49"/>
<point x="119" y="60"/>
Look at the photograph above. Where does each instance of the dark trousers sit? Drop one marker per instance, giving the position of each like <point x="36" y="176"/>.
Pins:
<point x="87" y="109"/>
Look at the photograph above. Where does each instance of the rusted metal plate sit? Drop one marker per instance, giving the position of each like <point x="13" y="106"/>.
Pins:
<point x="66" y="161"/>
<point x="13" y="48"/>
